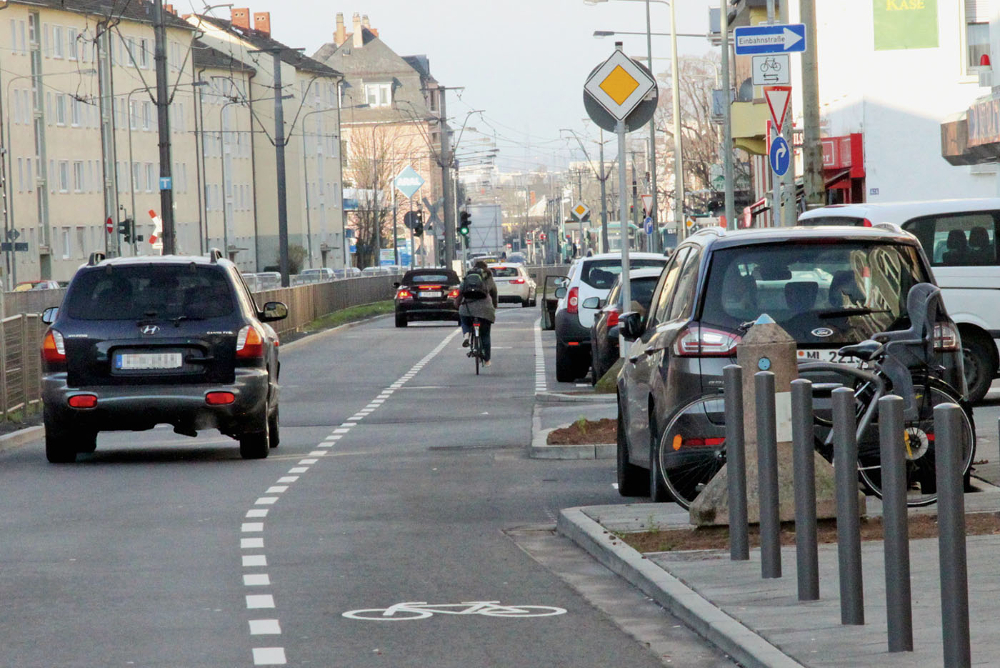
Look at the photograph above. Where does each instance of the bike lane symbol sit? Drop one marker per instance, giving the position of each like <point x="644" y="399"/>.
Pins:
<point x="423" y="610"/>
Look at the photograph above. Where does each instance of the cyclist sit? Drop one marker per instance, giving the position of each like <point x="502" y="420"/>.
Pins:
<point x="484" y="308"/>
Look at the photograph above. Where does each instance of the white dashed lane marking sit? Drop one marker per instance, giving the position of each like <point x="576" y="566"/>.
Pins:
<point x="275" y="656"/>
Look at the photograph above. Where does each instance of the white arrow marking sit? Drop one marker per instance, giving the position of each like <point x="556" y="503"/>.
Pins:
<point x="791" y="38"/>
<point x="781" y="152"/>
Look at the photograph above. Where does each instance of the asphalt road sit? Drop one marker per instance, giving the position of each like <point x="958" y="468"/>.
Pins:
<point x="401" y="477"/>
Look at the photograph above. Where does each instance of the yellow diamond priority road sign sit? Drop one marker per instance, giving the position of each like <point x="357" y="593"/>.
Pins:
<point x="619" y="85"/>
<point x="580" y="212"/>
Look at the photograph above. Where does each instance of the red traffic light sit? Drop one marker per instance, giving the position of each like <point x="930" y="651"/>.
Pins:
<point x="541" y="236"/>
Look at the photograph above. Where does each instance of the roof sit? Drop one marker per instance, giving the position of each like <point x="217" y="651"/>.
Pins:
<point x="139" y="10"/>
<point x="900" y="212"/>
<point x="207" y="57"/>
<point x="730" y="239"/>
<point x="258" y="40"/>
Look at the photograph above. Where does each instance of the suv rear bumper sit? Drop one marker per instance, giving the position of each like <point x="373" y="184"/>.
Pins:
<point x="130" y="408"/>
<point x="569" y="329"/>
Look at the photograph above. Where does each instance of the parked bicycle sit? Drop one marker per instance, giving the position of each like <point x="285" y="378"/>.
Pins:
<point x="902" y="362"/>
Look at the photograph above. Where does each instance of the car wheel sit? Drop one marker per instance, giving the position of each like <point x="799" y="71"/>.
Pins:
<point x="256" y="444"/>
<point x="565" y="368"/>
<point x="632" y="480"/>
<point x="400" y="320"/>
<point x="87" y="443"/>
<point x="59" y="447"/>
<point x="525" y="303"/>
<point x="272" y="429"/>
<point x="980" y="367"/>
<point x="657" y="489"/>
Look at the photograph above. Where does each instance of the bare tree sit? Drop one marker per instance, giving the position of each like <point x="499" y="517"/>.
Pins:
<point x="376" y="154"/>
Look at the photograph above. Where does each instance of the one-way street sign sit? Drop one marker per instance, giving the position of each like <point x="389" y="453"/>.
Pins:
<point x="754" y="40"/>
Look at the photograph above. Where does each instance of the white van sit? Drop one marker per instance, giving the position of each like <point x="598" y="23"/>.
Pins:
<point x="959" y="237"/>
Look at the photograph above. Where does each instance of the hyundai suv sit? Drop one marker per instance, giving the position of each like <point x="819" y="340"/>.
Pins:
<point x="172" y="340"/>
<point x="826" y="286"/>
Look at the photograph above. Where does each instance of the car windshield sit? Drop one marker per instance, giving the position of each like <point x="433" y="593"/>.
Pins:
<point x="413" y="278"/>
<point x="147" y="291"/>
<point x="504" y="272"/>
<point x="601" y="274"/>
<point x="821" y="293"/>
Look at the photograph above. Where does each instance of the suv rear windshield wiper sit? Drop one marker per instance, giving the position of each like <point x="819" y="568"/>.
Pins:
<point x="181" y="318"/>
<point x="844" y="312"/>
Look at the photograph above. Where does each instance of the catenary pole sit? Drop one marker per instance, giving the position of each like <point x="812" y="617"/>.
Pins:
<point x="727" y="127"/>
<point x="812" y="151"/>
<point x="163" y="126"/>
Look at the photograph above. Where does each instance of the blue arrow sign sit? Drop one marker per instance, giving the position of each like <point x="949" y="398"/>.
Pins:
<point x="754" y="40"/>
<point x="780" y="156"/>
<point x="649" y="225"/>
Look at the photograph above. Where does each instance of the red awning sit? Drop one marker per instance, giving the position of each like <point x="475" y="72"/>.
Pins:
<point x="839" y="180"/>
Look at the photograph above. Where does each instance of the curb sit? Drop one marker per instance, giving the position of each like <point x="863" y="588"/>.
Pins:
<point x="540" y="449"/>
<point x="729" y="635"/>
<point x="560" y="398"/>
<point x="21" y="437"/>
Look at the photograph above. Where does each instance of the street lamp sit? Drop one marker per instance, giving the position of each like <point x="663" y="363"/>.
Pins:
<point x="678" y="160"/>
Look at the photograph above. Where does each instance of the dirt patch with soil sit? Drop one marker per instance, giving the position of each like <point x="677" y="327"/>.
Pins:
<point x="585" y="432"/>
<point x="717" y="538"/>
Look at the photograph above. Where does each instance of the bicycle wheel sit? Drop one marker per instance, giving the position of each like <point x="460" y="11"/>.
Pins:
<point x="523" y="611"/>
<point x="920" y="444"/>
<point x="693" y="448"/>
<point x="476" y="352"/>
<point x="379" y="615"/>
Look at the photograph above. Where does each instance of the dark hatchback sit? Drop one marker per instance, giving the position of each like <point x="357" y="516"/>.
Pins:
<point x="826" y="286"/>
<point x="160" y="340"/>
<point x="604" y="350"/>
<point x="427" y="294"/>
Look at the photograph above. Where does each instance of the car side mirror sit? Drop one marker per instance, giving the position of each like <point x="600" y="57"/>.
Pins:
<point x="49" y="315"/>
<point x="562" y="282"/>
<point x="591" y="302"/>
<point x="274" y="311"/>
<point x="395" y="284"/>
<point x="630" y="325"/>
<point x="560" y="292"/>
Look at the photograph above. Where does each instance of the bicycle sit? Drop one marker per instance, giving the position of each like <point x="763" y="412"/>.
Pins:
<point x="692" y="448"/>
<point x="476" y="345"/>
<point x="422" y="610"/>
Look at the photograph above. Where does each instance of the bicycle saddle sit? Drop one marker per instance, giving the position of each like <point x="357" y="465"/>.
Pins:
<point x="862" y="351"/>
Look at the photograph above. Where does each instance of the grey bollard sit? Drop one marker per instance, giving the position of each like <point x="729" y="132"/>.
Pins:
<point x="899" y="609"/>
<point x="845" y="462"/>
<point x="804" y="452"/>
<point x="949" y="430"/>
<point x="736" y="465"/>
<point x="767" y="476"/>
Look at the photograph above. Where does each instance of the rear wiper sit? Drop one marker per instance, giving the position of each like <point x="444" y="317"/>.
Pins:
<point x="844" y="312"/>
<point x="177" y="321"/>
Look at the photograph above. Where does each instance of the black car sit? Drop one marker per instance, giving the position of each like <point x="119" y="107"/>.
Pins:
<point x="143" y="341"/>
<point x="604" y="332"/>
<point x="427" y="294"/>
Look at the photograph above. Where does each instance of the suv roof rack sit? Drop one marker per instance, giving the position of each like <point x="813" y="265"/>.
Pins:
<point x="214" y="254"/>
<point x="96" y="258"/>
<point x="717" y="231"/>
<point x="892" y="227"/>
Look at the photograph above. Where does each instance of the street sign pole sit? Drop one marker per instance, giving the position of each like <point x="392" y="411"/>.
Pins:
<point x="623" y="226"/>
<point x="775" y="182"/>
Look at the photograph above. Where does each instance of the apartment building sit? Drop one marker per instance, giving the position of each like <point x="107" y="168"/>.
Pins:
<point x="312" y="151"/>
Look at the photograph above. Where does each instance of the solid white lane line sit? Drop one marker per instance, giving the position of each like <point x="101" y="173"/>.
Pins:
<point x="256" y="580"/>
<point x="269" y="656"/>
<point x="264" y="627"/>
<point x="254" y="560"/>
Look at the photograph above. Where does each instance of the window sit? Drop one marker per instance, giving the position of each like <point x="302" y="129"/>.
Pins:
<point x="133" y="114"/>
<point x="977" y="32"/>
<point x="81" y="241"/>
<point x="60" y="109"/>
<point x="144" y="53"/>
<point x="77" y="113"/>
<point x="64" y="176"/>
<point x="59" y="45"/>
<point x="687" y="285"/>
<point x="962" y="240"/>
<point x="79" y="179"/>
<point x="150" y="177"/>
<point x="147" y="115"/>
<point x="71" y="42"/>
<point x="668" y="281"/>
<point x="378" y="95"/>
<point x="66" y="247"/>
<point x="137" y="175"/>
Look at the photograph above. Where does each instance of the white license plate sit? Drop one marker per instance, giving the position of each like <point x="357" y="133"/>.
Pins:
<point x="821" y="355"/>
<point x="430" y="295"/>
<point x="140" y="361"/>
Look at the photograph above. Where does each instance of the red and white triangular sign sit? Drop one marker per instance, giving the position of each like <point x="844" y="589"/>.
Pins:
<point x="777" y="101"/>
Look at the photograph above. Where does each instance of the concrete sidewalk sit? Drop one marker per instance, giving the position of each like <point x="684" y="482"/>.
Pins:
<point x="761" y="623"/>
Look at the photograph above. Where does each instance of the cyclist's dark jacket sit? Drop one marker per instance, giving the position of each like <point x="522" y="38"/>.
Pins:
<point x="485" y="308"/>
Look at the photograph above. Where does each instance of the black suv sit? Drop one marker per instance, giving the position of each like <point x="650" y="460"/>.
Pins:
<point x="172" y="340"/>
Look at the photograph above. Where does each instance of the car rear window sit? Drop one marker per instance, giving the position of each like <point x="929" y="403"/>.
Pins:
<point x="642" y="291"/>
<point x="412" y="278"/>
<point x="150" y="291"/>
<point x="845" y="291"/>
<point x="820" y="221"/>
<point x="505" y="272"/>
<point x="601" y="274"/>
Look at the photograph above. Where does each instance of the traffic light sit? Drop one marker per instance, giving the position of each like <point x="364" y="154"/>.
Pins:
<point x="418" y="224"/>
<point x="463" y="225"/>
<point x="126" y="228"/>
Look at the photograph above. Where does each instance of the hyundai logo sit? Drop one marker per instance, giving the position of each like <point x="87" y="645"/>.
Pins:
<point x="149" y="330"/>
<point x="822" y="332"/>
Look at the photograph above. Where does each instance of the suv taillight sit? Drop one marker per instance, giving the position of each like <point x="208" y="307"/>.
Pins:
<point x="249" y="343"/>
<point x="573" y="301"/>
<point x="946" y="337"/>
<point x="54" y="348"/>
<point x="698" y="341"/>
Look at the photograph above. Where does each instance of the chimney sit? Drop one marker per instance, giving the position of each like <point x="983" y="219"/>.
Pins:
<point x="365" y="23"/>
<point x="262" y="23"/>
<point x="170" y="9"/>
<point x="359" y="40"/>
<point x="241" y="18"/>
<point x="340" y="36"/>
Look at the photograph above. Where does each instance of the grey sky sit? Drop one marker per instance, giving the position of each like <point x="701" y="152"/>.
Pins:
<point x="522" y="61"/>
